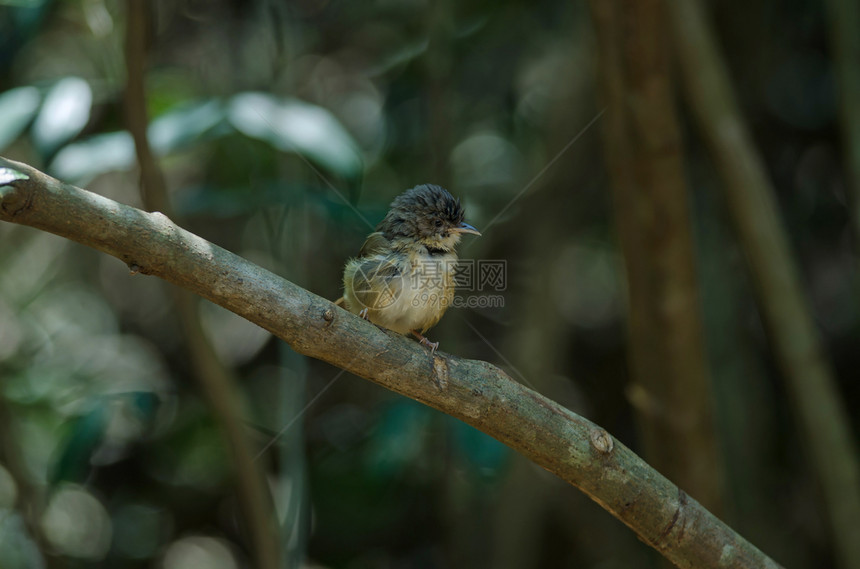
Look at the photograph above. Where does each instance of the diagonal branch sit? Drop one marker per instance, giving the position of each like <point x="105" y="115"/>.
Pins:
<point x="575" y="449"/>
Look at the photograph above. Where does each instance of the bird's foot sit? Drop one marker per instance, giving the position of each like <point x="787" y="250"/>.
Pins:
<point x="363" y="313"/>
<point x="424" y="341"/>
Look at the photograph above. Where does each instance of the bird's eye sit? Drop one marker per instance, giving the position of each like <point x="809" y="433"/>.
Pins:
<point x="438" y="223"/>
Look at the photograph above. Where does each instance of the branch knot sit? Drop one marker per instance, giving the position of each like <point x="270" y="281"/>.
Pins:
<point x="601" y="441"/>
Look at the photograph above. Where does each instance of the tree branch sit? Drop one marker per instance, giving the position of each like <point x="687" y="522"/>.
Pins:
<point x="480" y="394"/>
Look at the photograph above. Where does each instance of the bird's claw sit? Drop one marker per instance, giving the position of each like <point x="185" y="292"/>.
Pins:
<point x="363" y="313"/>
<point x="425" y="342"/>
<point x="432" y="345"/>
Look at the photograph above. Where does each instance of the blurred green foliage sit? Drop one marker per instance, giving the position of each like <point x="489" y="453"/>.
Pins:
<point x="284" y="130"/>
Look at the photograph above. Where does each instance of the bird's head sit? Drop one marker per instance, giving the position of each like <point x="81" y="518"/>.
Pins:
<point x="429" y="215"/>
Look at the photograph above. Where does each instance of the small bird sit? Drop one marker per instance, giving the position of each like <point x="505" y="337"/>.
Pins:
<point x="403" y="277"/>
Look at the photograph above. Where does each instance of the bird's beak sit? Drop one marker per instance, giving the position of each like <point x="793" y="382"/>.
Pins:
<point x="466" y="228"/>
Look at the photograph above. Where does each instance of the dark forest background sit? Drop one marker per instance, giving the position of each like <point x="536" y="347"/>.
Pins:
<point x="283" y="130"/>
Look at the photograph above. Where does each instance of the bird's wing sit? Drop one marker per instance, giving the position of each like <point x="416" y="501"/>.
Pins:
<point x="374" y="244"/>
<point x="376" y="281"/>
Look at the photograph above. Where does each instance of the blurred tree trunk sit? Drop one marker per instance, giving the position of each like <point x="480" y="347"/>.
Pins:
<point x="216" y="380"/>
<point x="290" y="247"/>
<point x="844" y="19"/>
<point x="537" y="345"/>
<point x="747" y="417"/>
<point x="670" y="387"/>
<point x="798" y="349"/>
<point x="437" y="83"/>
<point x="463" y="538"/>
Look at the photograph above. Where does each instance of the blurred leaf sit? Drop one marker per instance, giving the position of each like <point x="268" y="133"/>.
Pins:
<point x="17" y="108"/>
<point x="146" y="403"/>
<point x="82" y="161"/>
<point x="399" y="58"/>
<point x="169" y="87"/>
<point x="398" y="438"/>
<point x="302" y="128"/>
<point x="801" y="91"/>
<point x="22" y="3"/>
<point x="221" y="201"/>
<point x="140" y="530"/>
<point x="487" y="159"/>
<point x="18" y="548"/>
<point x="484" y="453"/>
<point x="9" y="175"/>
<point x="298" y="127"/>
<point x="20" y="21"/>
<point x="87" y="432"/>
<point x="64" y="114"/>
<point x="86" y="435"/>
<point x="76" y="524"/>
<point x="185" y="125"/>
<point x="193" y="453"/>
